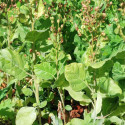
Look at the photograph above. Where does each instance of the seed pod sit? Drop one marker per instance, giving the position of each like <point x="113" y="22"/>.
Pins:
<point x="24" y="55"/>
<point x="3" y="85"/>
<point x="104" y="14"/>
<point x="61" y="26"/>
<point x="62" y="40"/>
<point x="116" y="19"/>
<point x="38" y="53"/>
<point x="30" y="50"/>
<point x="59" y="29"/>
<point x="49" y="38"/>
<point x="110" y="3"/>
<point x="103" y="34"/>
<point x="58" y="21"/>
<point x="97" y="8"/>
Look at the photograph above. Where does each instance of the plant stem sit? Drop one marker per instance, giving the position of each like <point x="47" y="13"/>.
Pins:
<point x="63" y="104"/>
<point x="37" y="99"/>
<point x="36" y="83"/>
<point x="59" y="89"/>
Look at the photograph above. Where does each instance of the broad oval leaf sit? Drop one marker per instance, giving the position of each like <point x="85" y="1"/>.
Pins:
<point x="12" y="63"/>
<point x="44" y="71"/>
<point x="26" y="116"/>
<point x="75" y="74"/>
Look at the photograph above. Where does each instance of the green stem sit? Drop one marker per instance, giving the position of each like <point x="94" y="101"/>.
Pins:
<point x="36" y="83"/>
<point x="37" y="99"/>
<point x="59" y="89"/>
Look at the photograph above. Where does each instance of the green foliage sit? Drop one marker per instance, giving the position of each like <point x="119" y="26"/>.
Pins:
<point x="26" y="115"/>
<point x="12" y="63"/>
<point x="56" y="55"/>
<point x="75" y="74"/>
<point x="45" y="71"/>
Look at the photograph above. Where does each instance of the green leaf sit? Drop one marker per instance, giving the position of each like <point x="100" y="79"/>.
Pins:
<point x="4" y="91"/>
<point x="98" y="103"/>
<point x="68" y="107"/>
<point x="26" y="116"/>
<point x="40" y="8"/>
<point x="109" y="86"/>
<point x="37" y="35"/>
<point x="27" y="91"/>
<point x="99" y="68"/>
<point x="119" y="110"/>
<point x="76" y="121"/>
<point x="75" y="74"/>
<point x="12" y="63"/>
<point x="44" y="71"/>
<point x="20" y="32"/>
<point x="43" y="104"/>
<point x="116" y="120"/>
<point x="118" y="71"/>
<point x="78" y="96"/>
<point x="7" y="109"/>
<point x="61" y="82"/>
<point x="50" y="97"/>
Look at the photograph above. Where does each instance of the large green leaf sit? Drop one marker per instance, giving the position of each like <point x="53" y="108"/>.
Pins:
<point x="78" y="96"/>
<point x="26" y="116"/>
<point x="45" y="71"/>
<point x="101" y="67"/>
<point x="7" y="109"/>
<point x="109" y="86"/>
<point x="12" y="63"/>
<point x="75" y="74"/>
<point x="118" y="71"/>
<point x="37" y="35"/>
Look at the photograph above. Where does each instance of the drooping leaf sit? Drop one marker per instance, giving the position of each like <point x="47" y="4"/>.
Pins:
<point x="75" y="74"/>
<point x="78" y="96"/>
<point x="44" y="71"/>
<point x="26" y="116"/>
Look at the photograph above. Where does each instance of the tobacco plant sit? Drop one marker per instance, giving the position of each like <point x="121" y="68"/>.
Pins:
<point x="62" y="62"/>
